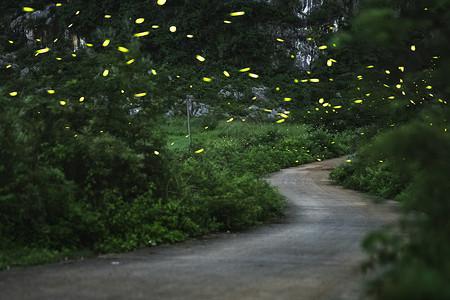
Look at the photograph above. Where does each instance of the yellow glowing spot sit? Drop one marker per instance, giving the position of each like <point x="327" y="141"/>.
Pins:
<point x="413" y="47"/>
<point x="70" y="25"/>
<point x="89" y="44"/>
<point x="401" y="69"/>
<point x="267" y="110"/>
<point x="391" y="97"/>
<point x="399" y="86"/>
<point x="330" y="62"/>
<point x="189" y="36"/>
<point x="107" y="16"/>
<point x="200" y="58"/>
<point x="287" y="99"/>
<point x="227" y="22"/>
<point x="386" y="85"/>
<point x="360" y="77"/>
<point x="226" y="73"/>
<point x="130" y="61"/>
<point x="429" y="87"/>
<point x="173" y="28"/>
<point x="155" y="26"/>
<point x="51" y="91"/>
<point x="62" y="103"/>
<point x="253" y="75"/>
<point x="244" y="70"/>
<point x="277" y="88"/>
<point x="296" y="80"/>
<point x="123" y="49"/>
<point x="142" y="34"/>
<point x="122" y="91"/>
<point x="323" y="47"/>
<point x="38" y="40"/>
<point x="200" y="150"/>
<point x="156" y="152"/>
<point x="105" y="73"/>
<point x="106" y="43"/>
<point x="281" y="121"/>
<point x="161" y="2"/>
<point x="206" y="79"/>
<point x="58" y="4"/>
<point x="339" y="106"/>
<point x="304" y="80"/>
<point x="321" y="100"/>
<point x="28" y="9"/>
<point x="280" y="40"/>
<point x="139" y="20"/>
<point x="140" y="95"/>
<point x="11" y="42"/>
<point x="292" y="56"/>
<point x="237" y="13"/>
<point x="368" y="94"/>
<point x="154" y="72"/>
<point x="358" y="101"/>
<point x="314" y="80"/>
<point x="230" y="120"/>
<point x="40" y="51"/>
<point x="81" y="99"/>
<point x="369" y="67"/>
<point x="349" y="160"/>
<point x="8" y="66"/>
<point x="77" y="13"/>
<point x="13" y="94"/>
<point x="58" y="58"/>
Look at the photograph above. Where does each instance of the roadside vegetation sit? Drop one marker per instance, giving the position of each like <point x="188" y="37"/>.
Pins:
<point x="93" y="194"/>
<point x="90" y="163"/>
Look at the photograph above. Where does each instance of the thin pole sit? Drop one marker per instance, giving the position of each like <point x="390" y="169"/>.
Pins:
<point x="188" y="111"/>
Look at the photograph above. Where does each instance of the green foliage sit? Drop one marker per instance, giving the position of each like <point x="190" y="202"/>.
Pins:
<point x="415" y="171"/>
<point x="220" y="186"/>
<point x="413" y="259"/>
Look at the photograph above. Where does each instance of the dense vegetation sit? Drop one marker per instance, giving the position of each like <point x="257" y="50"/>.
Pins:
<point x="89" y="161"/>
<point x="409" y="162"/>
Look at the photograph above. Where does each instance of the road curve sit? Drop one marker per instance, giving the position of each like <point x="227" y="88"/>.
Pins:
<point x="313" y="254"/>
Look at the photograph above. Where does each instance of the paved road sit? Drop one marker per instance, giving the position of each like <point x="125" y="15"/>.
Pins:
<point x="313" y="254"/>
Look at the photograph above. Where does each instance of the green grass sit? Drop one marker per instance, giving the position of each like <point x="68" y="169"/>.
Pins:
<point x="18" y="257"/>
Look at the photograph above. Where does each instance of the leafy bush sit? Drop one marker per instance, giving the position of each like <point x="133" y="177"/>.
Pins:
<point x="413" y="257"/>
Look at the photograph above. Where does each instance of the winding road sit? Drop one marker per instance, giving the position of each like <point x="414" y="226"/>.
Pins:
<point x="313" y="254"/>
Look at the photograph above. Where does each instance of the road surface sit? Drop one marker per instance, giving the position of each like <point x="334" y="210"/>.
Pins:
<point x="313" y="254"/>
